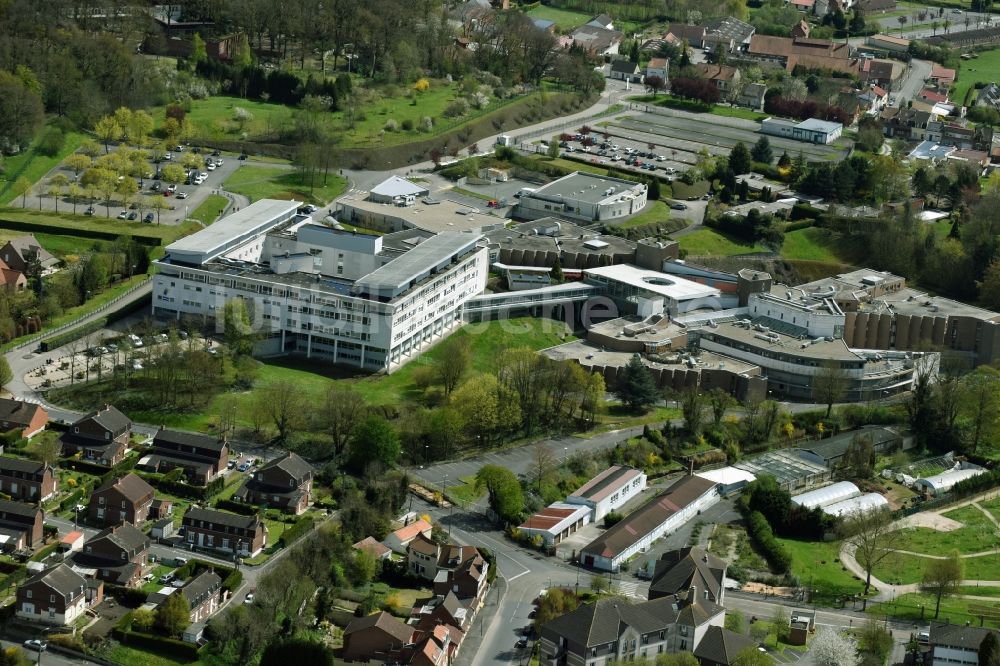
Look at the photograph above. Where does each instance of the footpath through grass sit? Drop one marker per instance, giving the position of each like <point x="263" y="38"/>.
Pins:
<point x="210" y="209"/>
<point x="258" y="183"/>
<point x="817" y="565"/>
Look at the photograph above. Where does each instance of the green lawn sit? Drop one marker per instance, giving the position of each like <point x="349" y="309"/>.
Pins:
<point x="66" y="223"/>
<point x="210" y="209"/>
<point x="572" y="165"/>
<point x="683" y="191"/>
<point x="902" y="569"/>
<point x="33" y="165"/>
<point x="130" y="656"/>
<point x="979" y="591"/>
<point x="276" y="183"/>
<point x="975" y="536"/>
<point x="707" y="242"/>
<point x="817" y="565"/>
<point x="956" y="611"/>
<point x="985" y="68"/>
<point x="464" y="494"/>
<point x="657" y="211"/>
<point x="993" y="506"/>
<point x="215" y="118"/>
<point x="565" y="20"/>
<point x="810" y="244"/>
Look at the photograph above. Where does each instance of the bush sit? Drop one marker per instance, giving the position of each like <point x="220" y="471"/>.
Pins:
<point x="158" y="644"/>
<point x="407" y="124"/>
<point x="779" y="559"/>
<point x="297" y="531"/>
<point x="612" y="518"/>
<point x="236" y="507"/>
<point x="51" y="141"/>
<point x="459" y="107"/>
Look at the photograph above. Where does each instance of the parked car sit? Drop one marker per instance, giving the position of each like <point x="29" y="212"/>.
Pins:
<point x="89" y="211"/>
<point x="248" y="599"/>
<point x="168" y="156"/>
<point x="244" y="466"/>
<point x="166" y="578"/>
<point x="122" y="215"/>
<point x="216" y="152"/>
<point x="133" y="215"/>
<point x="148" y="219"/>
<point x="182" y="195"/>
<point x="678" y="206"/>
<point x="36" y="645"/>
<point x="521" y="644"/>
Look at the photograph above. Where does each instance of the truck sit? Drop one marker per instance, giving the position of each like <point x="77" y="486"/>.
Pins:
<point x="505" y="140"/>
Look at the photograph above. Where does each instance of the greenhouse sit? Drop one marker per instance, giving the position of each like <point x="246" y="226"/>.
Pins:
<point x="866" y="502"/>
<point x="835" y="492"/>
<point x="942" y="483"/>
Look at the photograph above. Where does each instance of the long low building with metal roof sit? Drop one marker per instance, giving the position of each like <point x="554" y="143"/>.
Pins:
<point x="555" y="522"/>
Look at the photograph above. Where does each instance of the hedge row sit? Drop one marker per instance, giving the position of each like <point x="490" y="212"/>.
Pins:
<point x="976" y="484"/>
<point x="160" y="482"/>
<point x="158" y="644"/>
<point x="297" y="531"/>
<point x="241" y="508"/>
<point x="760" y="531"/>
<point x="232" y="581"/>
<point x="55" y="228"/>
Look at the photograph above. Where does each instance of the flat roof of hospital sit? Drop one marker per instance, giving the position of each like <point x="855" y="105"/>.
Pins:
<point x="671" y="286"/>
<point x="425" y="256"/>
<point x="438" y="217"/>
<point x="258" y="214"/>
<point x="833" y="350"/>
<point x="587" y="187"/>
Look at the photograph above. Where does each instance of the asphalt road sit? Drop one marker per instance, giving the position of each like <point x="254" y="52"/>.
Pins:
<point x="912" y="82"/>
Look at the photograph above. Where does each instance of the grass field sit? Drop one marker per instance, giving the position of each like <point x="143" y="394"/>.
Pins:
<point x="967" y="539"/>
<point x="672" y="102"/>
<point x="956" y="611"/>
<point x="818" y="566"/>
<point x="659" y="211"/>
<point x="276" y="183"/>
<point x="572" y="165"/>
<point x="904" y="569"/>
<point x="707" y="242"/>
<point x="810" y="244"/>
<point x="214" y="118"/>
<point x="985" y="68"/>
<point x="565" y="20"/>
<point x="33" y="165"/>
<point x="62" y="223"/>
<point x="210" y="209"/>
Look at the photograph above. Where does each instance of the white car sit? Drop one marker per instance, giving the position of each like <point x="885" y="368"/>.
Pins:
<point x="219" y="162"/>
<point x="203" y="175"/>
<point x="182" y="195"/>
<point x="248" y="600"/>
<point x="211" y="167"/>
<point x="168" y="156"/>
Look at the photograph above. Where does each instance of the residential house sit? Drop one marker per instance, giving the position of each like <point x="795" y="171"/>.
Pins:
<point x="602" y="21"/>
<point x="161" y="508"/>
<point x="453" y="568"/>
<point x="598" y="42"/>
<point x="21" y="252"/>
<point x="609" y="490"/>
<point x="694" y="35"/>
<point x="27" y="417"/>
<point x="752" y="96"/>
<point x="613" y="630"/>
<point x="800" y="30"/>
<point x="882" y="73"/>
<point x="284" y="483"/>
<point x="625" y="70"/>
<point x="56" y="596"/>
<point x="659" y="67"/>
<point x="27" y="480"/>
<point x="10" y="279"/>
<point x="378" y="551"/>
<point x="20" y="526"/>
<point x="203" y="594"/>
<point x="443" y="610"/>
<point x="664" y="513"/>
<point x="100" y="437"/>
<point x="719" y="647"/>
<point x="127" y="499"/>
<point x="792" y="52"/>
<point x="227" y="532"/>
<point x="377" y="637"/>
<point x="976" y="158"/>
<point x="72" y="542"/>
<point x="805" y="6"/>
<point x="942" y="76"/>
<point x="932" y="96"/>
<point x="398" y="540"/>
<point x="905" y="123"/>
<point x="873" y="99"/>
<point x="732" y="34"/>
<point x="203" y="458"/>
<point x="115" y="555"/>
<point x="725" y="78"/>
<point x="677" y="571"/>
<point x="956" y="644"/>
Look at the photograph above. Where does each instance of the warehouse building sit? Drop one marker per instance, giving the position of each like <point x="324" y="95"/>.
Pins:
<point x="729" y="480"/>
<point x="555" y="522"/>
<point x="584" y="196"/>
<point x="812" y="130"/>
<point x="609" y="490"/>
<point x="636" y="532"/>
<point x="369" y="301"/>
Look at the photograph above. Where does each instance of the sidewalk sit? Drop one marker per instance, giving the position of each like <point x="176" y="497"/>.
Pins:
<point x="487" y="616"/>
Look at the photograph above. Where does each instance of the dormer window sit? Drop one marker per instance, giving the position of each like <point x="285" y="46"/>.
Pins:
<point x="76" y="429"/>
<point x="107" y="435"/>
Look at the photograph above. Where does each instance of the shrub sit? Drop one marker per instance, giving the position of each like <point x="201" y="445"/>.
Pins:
<point x="51" y="141"/>
<point x="779" y="559"/>
<point x="457" y="108"/>
<point x="407" y="124"/>
<point x="426" y="124"/>
<point x="391" y="125"/>
<point x="296" y="531"/>
<point x="612" y="518"/>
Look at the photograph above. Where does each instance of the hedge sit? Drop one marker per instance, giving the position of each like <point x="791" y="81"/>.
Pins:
<point x="776" y="555"/>
<point x="799" y="224"/>
<point x="158" y="644"/>
<point x="71" y="500"/>
<point x="236" y="507"/>
<point x="185" y="490"/>
<point x="297" y="531"/>
<point x="38" y="227"/>
<point x="86" y="467"/>
<point x="232" y="581"/>
<point x="803" y="211"/>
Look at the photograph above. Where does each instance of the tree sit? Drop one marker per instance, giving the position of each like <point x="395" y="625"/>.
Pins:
<point x="20" y="188"/>
<point x="830" y="385"/>
<point x="980" y="405"/>
<point x="452" y="362"/>
<point x="719" y="401"/>
<point x="751" y="656"/>
<point x="653" y="192"/>
<point x="831" y="648"/>
<point x="989" y="650"/>
<point x="174" y="615"/>
<point x="199" y="54"/>
<point x="237" y="329"/>
<point x="857" y="24"/>
<point x="363" y="567"/>
<point x="989" y="286"/>
<point x="506" y="498"/>
<point x="173" y="174"/>
<point x="872" y="535"/>
<point x="876" y="640"/>
<point x="374" y="441"/>
<point x="761" y="151"/>
<point x="635" y="385"/>
<point x="107" y="130"/>
<point x="46" y="450"/>
<point x="543" y="462"/>
<point x="296" y="651"/>
<point x="21" y="110"/>
<point x="692" y="402"/>
<point x="553" y="150"/>
<point x="736" y="622"/>
<point x="739" y="159"/>
<point x="284" y="406"/>
<point x="6" y="374"/>
<point x="676" y="659"/>
<point x="77" y="162"/>
<point x="655" y="84"/>
<point x="556" y="274"/>
<point x="943" y="578"/>
<point x="343" y="408"/>
<point x="599" y="584"/>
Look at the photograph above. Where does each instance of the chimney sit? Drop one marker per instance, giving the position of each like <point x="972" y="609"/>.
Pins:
<point x="692" y="594"/>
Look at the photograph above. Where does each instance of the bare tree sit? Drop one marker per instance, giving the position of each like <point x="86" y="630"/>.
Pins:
<point x="943" y="578"/>
<point x="452" y="362"/>
<point x="284" y="406"/>
<point x="74" y="347"/>
<point x="228" y="409"/>
<point x="343" y="409"/>
<point x="830" y="385"/>
<point x="873" y="536"/>
<point x="544" y="463"/>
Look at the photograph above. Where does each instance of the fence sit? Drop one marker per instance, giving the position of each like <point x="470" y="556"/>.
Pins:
<point x="12" y="346"/>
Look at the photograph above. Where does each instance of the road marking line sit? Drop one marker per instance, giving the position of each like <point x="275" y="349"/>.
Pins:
<point x="513" y="578"/>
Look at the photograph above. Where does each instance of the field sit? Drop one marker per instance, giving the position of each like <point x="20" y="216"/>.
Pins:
<point x="487" y="339"/>
<point x="565" y="20"/>
<point x="920" y="607"/>
<point x="33" y="165"/>
<point x="659" y="211"/>
<point x="817" y="565"/>
<point x="210" y="209"/>
<point x="671" y="102"/>
<point x="277" y="183"/>
<point x="904" y="569"/>
<point x="985" y="68"/>
<point x="810" y="244"/>
<point x="975" y="536"/>
<point x="214" y="118"/>
<point x="706" y="242"/>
